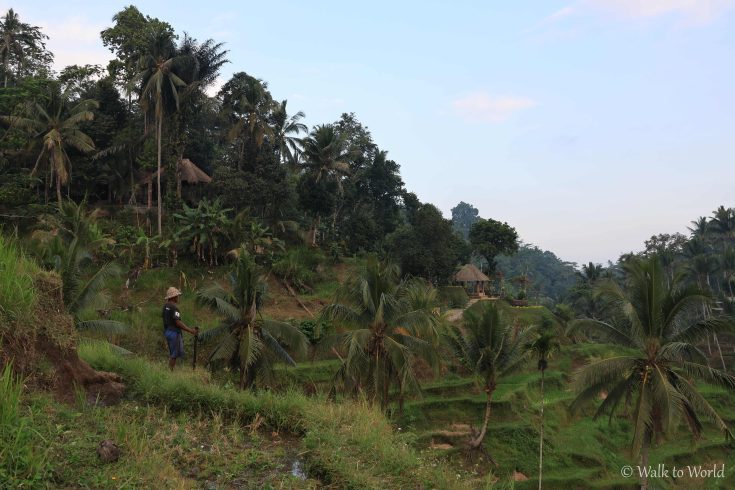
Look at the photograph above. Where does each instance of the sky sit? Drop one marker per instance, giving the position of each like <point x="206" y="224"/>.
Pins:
<point x="588" y="125"/>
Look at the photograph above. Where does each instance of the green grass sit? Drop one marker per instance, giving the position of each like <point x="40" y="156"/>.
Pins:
<point x="23" y="461"/>
<point x="349" y="445"/>
<point x="17" y="294"/>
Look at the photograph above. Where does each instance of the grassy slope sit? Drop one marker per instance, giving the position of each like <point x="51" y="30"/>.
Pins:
<point x="191" y="431"/>
<point x="349" y="445"/>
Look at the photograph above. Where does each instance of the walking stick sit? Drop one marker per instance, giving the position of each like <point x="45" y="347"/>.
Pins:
<point x="194" y="359"/>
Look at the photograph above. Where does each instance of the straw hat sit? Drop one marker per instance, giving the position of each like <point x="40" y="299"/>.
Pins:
<point x="172" y="292"/>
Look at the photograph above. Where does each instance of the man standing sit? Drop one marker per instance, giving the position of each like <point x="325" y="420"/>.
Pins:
<point x="172" y="326"/>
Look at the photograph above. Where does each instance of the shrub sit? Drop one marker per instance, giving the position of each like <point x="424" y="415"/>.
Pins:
<point x="315" y="330"/>
<point x="299" y="266"/>
<point x="453" y="296"/>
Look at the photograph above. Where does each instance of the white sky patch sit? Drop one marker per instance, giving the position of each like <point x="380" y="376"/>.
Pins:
<point x="482" y="107"/>
<point x="559" y="15"/>
<point x="213" y="89"/>
<point x="696" y="11"/>
<point x="76" y="41"/>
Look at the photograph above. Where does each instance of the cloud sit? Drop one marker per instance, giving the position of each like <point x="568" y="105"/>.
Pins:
<point x="699" y="11"/>
<point x="75" y="40"/>
<point x="690" y="11"/>
<point x="482" y="107"/>
<point x="559" y="15"/>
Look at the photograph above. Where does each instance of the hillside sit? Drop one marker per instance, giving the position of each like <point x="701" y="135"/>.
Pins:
<point x="194" y="429"/>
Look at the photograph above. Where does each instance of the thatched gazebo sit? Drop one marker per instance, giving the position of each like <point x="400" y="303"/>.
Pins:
<point x="188" y="171"/>
<point x="472" y="279"/>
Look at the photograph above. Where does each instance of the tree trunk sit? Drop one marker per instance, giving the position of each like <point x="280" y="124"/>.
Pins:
<point x="150" y="192"/>
<point x="644" y="461"/>
<point x="488" y="407"/>
<point x="58" y="189"/>
<point x="719" y="350"/>
<point x="541" y="435"/>
<point x="160" y="204"/>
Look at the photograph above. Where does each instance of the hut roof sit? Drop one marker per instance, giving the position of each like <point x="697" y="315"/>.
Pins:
<point x="470" y="273"/>
<point x="190" y="173"/>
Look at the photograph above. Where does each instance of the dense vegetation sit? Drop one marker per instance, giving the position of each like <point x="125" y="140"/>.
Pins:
<point x="302" y="247"/>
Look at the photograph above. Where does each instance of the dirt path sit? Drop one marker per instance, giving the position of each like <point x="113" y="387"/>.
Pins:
<point x="456" y="313"/>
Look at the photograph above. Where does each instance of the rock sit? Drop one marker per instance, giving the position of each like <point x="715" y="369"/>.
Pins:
<point x="108" y="451"/>
<point x="518" y="476"/>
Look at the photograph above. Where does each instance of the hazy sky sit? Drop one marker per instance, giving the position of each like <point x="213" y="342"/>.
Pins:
<point x="588" y="125"/>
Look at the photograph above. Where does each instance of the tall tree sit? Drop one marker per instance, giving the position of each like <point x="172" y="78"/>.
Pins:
<point x="542" y="347"/>
<point x="129" y="40"/>
<point x="463" y="217"/>
<point x="427" y="246"/>
<point x="658" y="322"/>
<point x="489" y="348"/>
<point x="201" y="66"/>
<point x="490" y="238"/>
<point x="325" y="165"/>
<point x="56" y="124"/>
<point x="20" y="44"/>
<point x="248" y="105"/>
<point x="160" y="84"/>
<point x="285" y="134"/>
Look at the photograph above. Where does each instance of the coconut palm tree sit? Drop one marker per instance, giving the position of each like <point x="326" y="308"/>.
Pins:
<point x="390" y="323"/>
<point x="542" y="347"/>
<point x="326" y="154"/>
<point x="248" y="105"/>
<point x="659" y="323"/>
<point x="700" y="227"/>
<point x="490" y="348"/>
<point x="723" y="222"/>
<point x="160" y="79"/>
<point x="17" y="41"/>
<point x="285" y="134"/>
<point x="248" y="342"/>
<point x="55" y="123"/>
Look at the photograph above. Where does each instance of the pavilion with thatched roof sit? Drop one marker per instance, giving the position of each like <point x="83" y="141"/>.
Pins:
<point x="472" y="279"/>
<point x="188" y="171"/>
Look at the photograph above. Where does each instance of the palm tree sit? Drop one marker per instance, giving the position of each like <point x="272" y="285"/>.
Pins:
<point x="325" y="156"/>
<point x="250" y="344"/>
<point x="248" y="105"/>
<point x="68" y="248"/>
<point x="288" y="146"/>
<point x="16" y="40"/>
<point x="727" y="266"/>
<point x="391" y="323"/>
<point x="160" y="84"/>
<point x="56" y="124"/>
<point x="723" y="222"/>
<point x="657" y="322"/>
<point x="489" y="348"/>
<point x="700" y="227"/>
<point x="199" y="67"/>
<point x="542" y="347"/>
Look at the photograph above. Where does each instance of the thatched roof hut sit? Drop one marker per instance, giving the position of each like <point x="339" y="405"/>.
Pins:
<point x="470" y="273"/>
<point x="190" y="173"/>
<point x="472" y="279"/>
